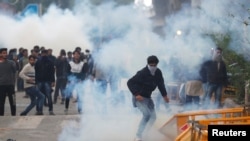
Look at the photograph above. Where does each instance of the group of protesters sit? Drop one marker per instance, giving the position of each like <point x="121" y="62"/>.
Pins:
<point x="43" y="76"/>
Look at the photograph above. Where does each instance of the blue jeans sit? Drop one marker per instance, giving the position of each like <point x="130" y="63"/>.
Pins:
<point x="217" y="90"/>
<point x="36" y="98"/>
<point x="45" y="87"/>
<point x="146" y="106"/>
<point x="71" y="86"/>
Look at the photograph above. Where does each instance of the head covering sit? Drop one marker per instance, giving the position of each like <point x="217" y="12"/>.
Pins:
<point x="3" y="49"/>
<point x="152" y="60"/>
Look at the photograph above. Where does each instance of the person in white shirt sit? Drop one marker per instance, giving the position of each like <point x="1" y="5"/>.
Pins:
<point x="77" y="74"/>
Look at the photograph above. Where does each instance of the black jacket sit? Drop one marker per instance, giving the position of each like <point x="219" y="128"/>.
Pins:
<point x="144" y="83"/>
<point x="62" y="67"/>
<point x="209" y="72"/>
<point x="44" y="70"/>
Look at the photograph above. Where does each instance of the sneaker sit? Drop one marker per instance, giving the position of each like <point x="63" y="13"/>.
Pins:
<point x="51" y="113"/>
<point x="39" y="113"/>
<point x="66" y="111"/>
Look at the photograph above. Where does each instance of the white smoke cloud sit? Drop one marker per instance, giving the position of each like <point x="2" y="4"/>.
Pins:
<point x="56" y="29"/>
<point x="129" y="40"/>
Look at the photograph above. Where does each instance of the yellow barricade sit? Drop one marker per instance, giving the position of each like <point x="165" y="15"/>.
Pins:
<point x="180" y="125"/>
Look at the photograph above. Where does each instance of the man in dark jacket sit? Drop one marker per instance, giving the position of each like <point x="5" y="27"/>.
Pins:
<point x="141" y="86"/>
<point x="45" y="77"/>
<point x="214" y="74"/>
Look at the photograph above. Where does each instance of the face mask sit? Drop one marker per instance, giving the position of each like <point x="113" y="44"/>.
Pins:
<point x="152" y="69"/>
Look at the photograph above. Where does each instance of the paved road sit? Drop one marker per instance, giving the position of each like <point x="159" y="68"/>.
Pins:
<point x="72" y="127"/>
<point x="22" y="102"/>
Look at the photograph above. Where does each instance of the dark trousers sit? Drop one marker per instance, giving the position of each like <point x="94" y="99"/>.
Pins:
<point x="192" y="102"/>
<point x="60" y="86"/>
<point x="217" y="90"/>
<point x="20" y="84"/>
<point x="7" y="90"/>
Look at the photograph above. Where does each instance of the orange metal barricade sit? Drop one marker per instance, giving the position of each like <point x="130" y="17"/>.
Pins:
<point x="181" y="126"/>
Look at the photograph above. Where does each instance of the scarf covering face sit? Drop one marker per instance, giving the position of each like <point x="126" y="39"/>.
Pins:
<point x="152" y="69"/>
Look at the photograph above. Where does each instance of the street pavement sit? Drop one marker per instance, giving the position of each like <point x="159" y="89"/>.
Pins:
<point x="32" y="127"/>
<point x="59" y="127"/>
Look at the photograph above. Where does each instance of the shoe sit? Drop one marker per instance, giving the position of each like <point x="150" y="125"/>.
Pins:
<point x="66" y="111"/>
<point x="51" y="113"/>
<point x="23" y="114"/>
<point x="39" y="113"/>
<point x="62" y="102"/>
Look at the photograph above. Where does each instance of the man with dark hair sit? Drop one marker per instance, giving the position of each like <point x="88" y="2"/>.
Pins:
<point x="141" y="86"/>
<point x="69" y="56"/>
<point x="214" y="73"/>
<point x="51" y="56"/>
<point x="7" y="82"/>
<point x="45" y="77"/>
<point x="36" y="96"/>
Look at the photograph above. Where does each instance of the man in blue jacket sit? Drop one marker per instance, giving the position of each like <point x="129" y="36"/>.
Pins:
<point x="141" y="86"/>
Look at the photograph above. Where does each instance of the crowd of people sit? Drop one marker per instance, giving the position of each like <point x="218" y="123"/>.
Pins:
<point x="43" y="77"/>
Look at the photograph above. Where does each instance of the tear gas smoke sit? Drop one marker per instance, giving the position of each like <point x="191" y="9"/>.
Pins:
<point x="120" y="39"/>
